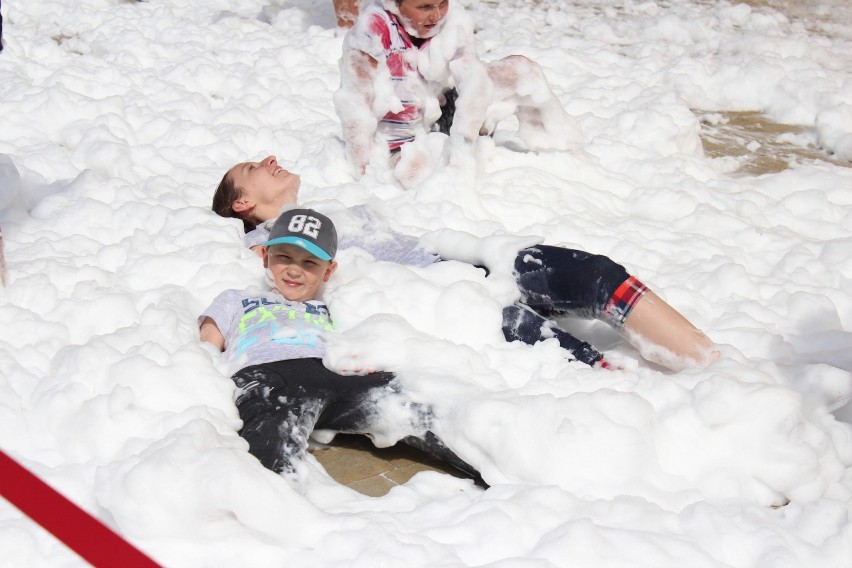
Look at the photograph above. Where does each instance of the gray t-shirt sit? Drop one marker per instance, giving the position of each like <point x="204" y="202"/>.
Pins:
<point x="260" y="327"/>
<point x="358" y="227"/>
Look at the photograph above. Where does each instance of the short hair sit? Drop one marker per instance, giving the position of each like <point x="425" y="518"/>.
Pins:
<point x="223" y="201"/>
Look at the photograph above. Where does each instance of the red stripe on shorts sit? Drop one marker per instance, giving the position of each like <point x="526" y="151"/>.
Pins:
<point x="623" y="300"/>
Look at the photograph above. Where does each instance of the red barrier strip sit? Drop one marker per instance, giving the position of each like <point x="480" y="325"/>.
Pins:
<point x="80" y="531"/>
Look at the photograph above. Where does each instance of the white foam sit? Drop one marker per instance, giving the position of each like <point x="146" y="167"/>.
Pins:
<point x="120" y="118"/>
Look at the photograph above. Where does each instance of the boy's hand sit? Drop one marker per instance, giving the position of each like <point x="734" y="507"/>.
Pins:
<point x="213" y="351"/>
<point x="603" y="364"/>
<point x="356" y="371"/>
<point x="351" y="365"/>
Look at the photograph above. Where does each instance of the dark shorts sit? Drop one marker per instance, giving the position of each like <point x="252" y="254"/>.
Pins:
<point x="347" y="401"/>
<point x="282" y="402"/>
<point x="559" y="281"/>
<point x="556" y="281"/>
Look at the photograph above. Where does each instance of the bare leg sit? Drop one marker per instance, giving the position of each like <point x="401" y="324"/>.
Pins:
<point x="346" y="12"/>
<point x="664" y="336"/>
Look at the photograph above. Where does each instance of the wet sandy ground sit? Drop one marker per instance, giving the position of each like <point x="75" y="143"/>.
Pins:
<point x="355" y="462"/>
<point x="759" y="145"/>
<point x="762" y="145"/>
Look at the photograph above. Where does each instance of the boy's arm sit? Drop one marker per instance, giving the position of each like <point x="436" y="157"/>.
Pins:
<point x="211" y="334"/>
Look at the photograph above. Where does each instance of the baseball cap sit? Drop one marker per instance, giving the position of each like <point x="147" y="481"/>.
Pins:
<point x="307" y="229"/>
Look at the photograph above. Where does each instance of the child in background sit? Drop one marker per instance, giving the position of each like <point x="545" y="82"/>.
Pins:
<point x="404" y="60"/>
<point x="276" y="337"/>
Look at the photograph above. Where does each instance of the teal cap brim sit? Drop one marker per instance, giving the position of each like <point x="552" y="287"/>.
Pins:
<point x="301" y="243"/>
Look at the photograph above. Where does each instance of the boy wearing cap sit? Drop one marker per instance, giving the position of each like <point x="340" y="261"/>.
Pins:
<point x="276" y="337"/>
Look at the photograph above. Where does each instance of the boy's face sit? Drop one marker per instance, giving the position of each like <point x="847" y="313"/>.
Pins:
<point x="297" y="273"/>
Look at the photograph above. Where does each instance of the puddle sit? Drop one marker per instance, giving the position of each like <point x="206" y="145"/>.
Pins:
<point x="763" y="146"/>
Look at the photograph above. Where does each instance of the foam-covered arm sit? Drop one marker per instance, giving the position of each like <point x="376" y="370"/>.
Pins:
<point x="476" y="92"/>
<point x="354" y="105"/>
<point x="496" y="252"/>
<point x="450" y="60"/>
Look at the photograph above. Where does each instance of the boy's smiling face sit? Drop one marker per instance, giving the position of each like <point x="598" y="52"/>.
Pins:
<point x="297" y="273"/>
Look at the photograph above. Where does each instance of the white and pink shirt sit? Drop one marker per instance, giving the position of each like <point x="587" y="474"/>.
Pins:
<point x="382" y="35"/>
